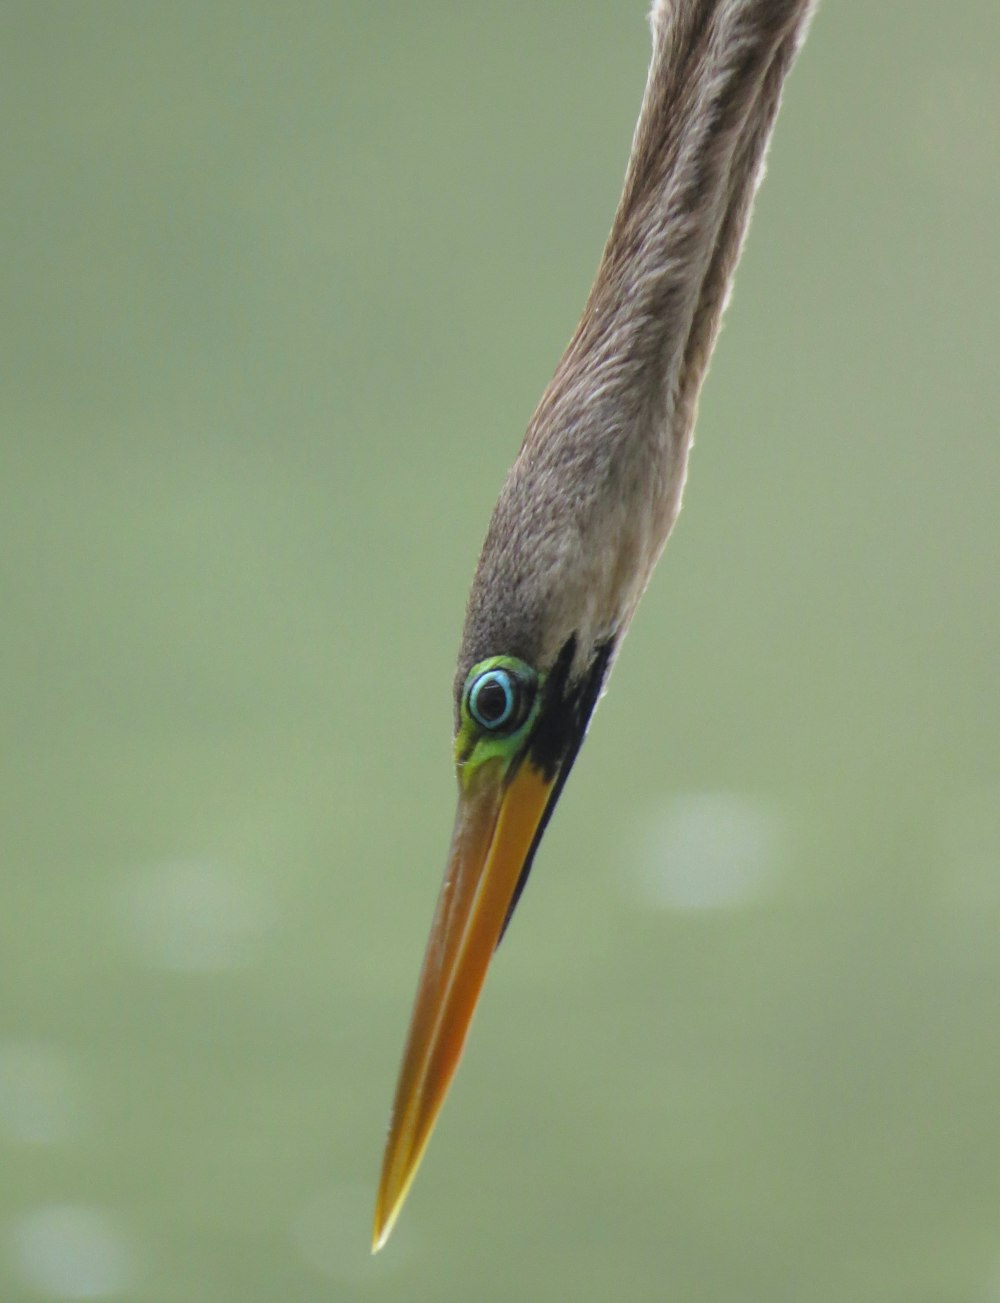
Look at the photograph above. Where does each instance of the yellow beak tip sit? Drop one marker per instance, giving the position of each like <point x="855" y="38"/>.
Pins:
<point x="384" y="1224"/>
<point x="494" y="830"/>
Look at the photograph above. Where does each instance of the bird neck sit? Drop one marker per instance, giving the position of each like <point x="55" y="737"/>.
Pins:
<point x="594" y="492"/>
<point x="634" y="366"/>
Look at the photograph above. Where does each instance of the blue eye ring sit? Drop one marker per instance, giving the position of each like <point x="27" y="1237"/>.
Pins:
<point x="494" y="699"/>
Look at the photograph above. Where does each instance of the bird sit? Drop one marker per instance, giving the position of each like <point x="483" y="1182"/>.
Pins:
<point x="587" y="506"/>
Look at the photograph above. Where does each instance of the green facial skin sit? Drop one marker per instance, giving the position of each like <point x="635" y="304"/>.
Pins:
<point x="475" y="745"/>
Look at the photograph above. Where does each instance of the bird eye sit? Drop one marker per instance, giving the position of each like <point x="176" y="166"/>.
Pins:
<point x="493" y="699"/>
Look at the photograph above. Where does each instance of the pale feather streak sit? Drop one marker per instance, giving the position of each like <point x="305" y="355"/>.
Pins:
<point x="596" y="487"/>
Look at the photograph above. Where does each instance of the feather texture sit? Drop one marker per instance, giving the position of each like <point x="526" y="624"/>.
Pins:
<point x="596" y="487"/>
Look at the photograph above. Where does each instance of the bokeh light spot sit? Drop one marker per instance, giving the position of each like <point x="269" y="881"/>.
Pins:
<point x="707" y="850"/>
<point x="71" y="1252"/>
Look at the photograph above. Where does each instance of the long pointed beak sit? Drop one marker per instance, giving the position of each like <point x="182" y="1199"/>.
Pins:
<point x="495" y="828"/>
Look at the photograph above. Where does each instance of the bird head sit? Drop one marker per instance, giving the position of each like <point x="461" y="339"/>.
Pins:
<point x="521" y="714"/>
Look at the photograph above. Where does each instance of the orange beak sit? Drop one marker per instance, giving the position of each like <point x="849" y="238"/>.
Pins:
<point x="495" y="828"/>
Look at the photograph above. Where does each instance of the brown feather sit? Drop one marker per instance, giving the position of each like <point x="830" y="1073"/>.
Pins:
<point x="596" y="487"/>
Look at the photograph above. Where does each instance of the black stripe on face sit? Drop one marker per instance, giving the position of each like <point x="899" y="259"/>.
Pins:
<point x="558" y="736"/>
<point x="553" y="731"/>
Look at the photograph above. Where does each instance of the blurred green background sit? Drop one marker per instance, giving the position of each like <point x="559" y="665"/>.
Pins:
<point x="281" y="286"/>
